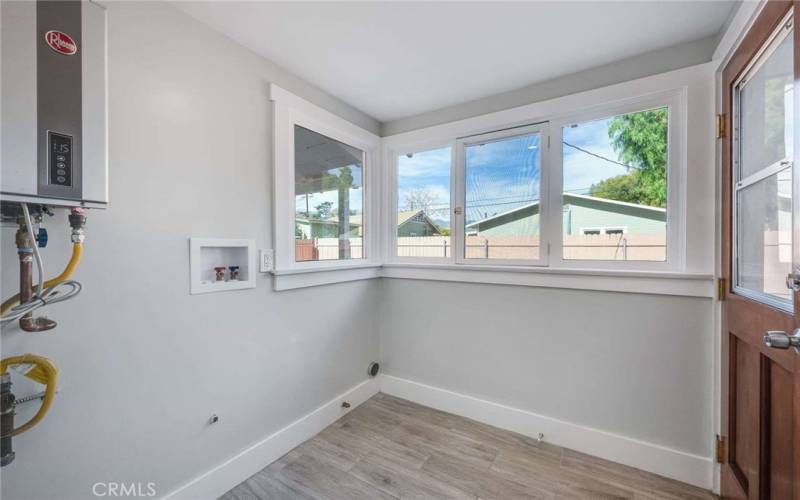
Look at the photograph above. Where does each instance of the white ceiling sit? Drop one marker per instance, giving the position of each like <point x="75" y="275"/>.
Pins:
<point x="397" y="59"/>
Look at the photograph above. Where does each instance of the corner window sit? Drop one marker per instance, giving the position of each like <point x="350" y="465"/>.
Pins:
<point x="614" y="175"/>
<point x="329" y="198"/>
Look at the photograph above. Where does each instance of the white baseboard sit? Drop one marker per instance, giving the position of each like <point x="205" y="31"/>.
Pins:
<point x="686" y="467"/>
<point x="216" y="482"/>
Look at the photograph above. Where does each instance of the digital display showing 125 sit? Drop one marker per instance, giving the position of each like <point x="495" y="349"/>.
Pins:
<point x="60" y="159"/>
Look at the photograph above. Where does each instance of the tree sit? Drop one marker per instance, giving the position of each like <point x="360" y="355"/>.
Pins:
<point x="324" y="209"/>
<point x="627" y="187"/>
<point x="420" y="199"/>
<point x="640" y="141"/>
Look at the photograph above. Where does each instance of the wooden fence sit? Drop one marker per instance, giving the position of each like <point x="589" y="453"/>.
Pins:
<point x="590" y="246"/>
<point x="326" y="249"/>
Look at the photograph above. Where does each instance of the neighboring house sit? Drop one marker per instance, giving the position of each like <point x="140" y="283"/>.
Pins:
<point x="582" y="215"/>
<point x="416" y="223"/>
<point x="311" y="227"/>
<point x="409" y="223"/>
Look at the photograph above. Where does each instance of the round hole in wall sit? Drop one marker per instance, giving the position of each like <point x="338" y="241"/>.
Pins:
<point x="373" y="369"/>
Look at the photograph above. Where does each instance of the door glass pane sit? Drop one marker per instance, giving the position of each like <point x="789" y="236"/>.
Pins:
<point x="765" y="101"/>
<point x="502" y="198"/>
<point x="423" y="204"/>
<point x="763" y="138"/>
<point x="615" y="187"/>
<point x="329" y="198"/>
<point x="764" y="237"/>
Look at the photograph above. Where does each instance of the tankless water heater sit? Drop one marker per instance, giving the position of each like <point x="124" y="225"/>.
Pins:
<point x="54" y="123"/>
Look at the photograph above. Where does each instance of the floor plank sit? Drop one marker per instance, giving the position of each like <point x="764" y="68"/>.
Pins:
<point x="389" y="448"/>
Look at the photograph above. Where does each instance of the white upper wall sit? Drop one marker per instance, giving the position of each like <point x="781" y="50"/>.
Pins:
<point x="640" y="66"/>
<point x="397" y="59"/>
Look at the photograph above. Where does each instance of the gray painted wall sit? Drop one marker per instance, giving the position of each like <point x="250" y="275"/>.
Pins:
<point x="632" y="364"/>
<point x="143" y="363"/>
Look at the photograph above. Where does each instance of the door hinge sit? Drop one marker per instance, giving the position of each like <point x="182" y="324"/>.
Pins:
<point x="721" y="451"/>
<point x="721" y="122"/>
<point x="548" y="142"/>
<point x="722" y="288"/>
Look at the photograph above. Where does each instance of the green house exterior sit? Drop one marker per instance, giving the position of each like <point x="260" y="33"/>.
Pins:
<point x="581" y="215"/>
<point x="416" y="223"/>
<point x="311" y="228"/>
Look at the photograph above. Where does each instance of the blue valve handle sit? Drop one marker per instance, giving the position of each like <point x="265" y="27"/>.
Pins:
<point x="41" y="238"/>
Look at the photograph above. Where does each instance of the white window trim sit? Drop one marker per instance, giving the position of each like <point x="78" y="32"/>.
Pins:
<point x="675" y="102"/>
<point x="390" y="195"/>
<point x="290" y="110"/>
<point x="679" y="281"/>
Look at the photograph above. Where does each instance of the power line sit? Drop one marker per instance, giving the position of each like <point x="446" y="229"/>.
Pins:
<point x="599" y="156"/>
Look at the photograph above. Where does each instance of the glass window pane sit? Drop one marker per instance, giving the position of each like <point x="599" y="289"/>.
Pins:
<point x="329" y="198"/>
<point x="765" y="112"/>
<point x="423" y="204"/>
<point x="764" y="235"/>
<point x="502" y="198"/>
<point x="615" y="188"/>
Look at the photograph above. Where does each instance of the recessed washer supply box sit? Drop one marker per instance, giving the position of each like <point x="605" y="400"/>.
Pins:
<point x="207" y="253"/>
<point x="54" y="121"/>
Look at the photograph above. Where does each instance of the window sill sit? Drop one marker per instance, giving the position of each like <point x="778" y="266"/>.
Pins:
<point x="289" y="279"/>
<point x="648" y="282"/>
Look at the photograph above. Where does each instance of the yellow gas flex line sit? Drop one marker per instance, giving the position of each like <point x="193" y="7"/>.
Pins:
<point x="43" y="372"/>
<point x="77" y="251"/>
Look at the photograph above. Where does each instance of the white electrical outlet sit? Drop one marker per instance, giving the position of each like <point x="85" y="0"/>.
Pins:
<point x="266" y="259"/>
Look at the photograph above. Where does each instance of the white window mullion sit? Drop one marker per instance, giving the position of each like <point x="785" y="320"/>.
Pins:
<point x="551" y="234"/>
<point x="458" y="203"/>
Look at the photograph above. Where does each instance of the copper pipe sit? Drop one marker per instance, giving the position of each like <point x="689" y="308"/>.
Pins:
<point x="25" y="252"/>
<point x="25" y="285"/>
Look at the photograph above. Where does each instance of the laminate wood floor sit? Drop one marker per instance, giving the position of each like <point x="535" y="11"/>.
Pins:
<point x="390" y="448"/>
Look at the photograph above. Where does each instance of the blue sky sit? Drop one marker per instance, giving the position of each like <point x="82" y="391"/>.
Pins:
<point x="503" y="175"/>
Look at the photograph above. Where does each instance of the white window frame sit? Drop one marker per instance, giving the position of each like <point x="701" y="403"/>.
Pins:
<point x="551" y="218"/>
<point x="458" y="230"/>
<point x="674" y="101"/>
<point x="391" y="161"/>
<point x="290" y="110"/>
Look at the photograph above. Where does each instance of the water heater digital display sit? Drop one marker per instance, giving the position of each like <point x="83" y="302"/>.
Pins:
<point x="54" y="138"/>
<point x="60" y="160"/>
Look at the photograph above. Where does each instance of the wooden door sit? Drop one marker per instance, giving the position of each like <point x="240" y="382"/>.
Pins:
<point x="761" y="384"/>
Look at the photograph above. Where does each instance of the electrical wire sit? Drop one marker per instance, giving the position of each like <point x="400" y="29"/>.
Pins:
<point x="51" y="296"/>
<point x="37" y="256"/>
<point x="600" y="156"/>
